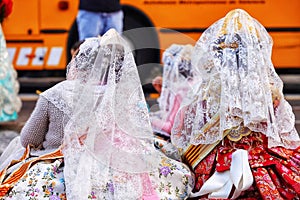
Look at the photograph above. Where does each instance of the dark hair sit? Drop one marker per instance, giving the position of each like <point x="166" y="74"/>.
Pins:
<point x="118" y="60"/>
<point x="235" y="44"/>
<point x="76" y="45"/>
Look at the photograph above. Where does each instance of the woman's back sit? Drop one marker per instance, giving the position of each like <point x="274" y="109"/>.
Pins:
<point x="177" y="80"/>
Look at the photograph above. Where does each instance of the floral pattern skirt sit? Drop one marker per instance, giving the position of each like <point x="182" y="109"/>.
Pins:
<point x="44" y="180"/>
<point x="275" y="171"/>
<point x="172" y="180"/>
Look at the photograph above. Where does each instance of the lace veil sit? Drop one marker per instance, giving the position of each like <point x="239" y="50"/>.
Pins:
<point x="238" y="89"/>
<point x="109" y="137"/>
<point x="64" y="95"/>
<point x="177" y="71"/>
<point x="177" y="78"/>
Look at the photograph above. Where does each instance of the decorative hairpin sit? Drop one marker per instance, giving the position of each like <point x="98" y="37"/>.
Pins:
<point x="233" y="45"/>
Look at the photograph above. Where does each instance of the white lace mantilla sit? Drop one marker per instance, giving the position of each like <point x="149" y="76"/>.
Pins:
<point x="239" y="83"/>
<point x="108" y="143"/>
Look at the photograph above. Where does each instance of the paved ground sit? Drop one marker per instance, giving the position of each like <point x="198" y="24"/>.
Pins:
<point x="9" y="130"/>
<point x="6" y="136"/>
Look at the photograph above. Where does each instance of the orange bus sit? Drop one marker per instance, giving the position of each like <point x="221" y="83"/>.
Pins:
<point x="39" y="33"/>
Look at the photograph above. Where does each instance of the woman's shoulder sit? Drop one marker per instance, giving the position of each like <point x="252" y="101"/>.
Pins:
<point x="57" y="88"/>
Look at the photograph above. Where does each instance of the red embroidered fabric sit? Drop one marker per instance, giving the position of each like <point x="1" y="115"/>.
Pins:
<point x="275" y="170"/>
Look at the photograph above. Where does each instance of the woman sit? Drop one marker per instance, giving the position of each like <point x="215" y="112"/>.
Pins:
<point x="10" y="103"/>
<point x="115" y="149"/>
<point x="177" y="79"/>
<point x="39" y="144"/>
<point x="106" y="134"/>
<point x="236" y="131"/>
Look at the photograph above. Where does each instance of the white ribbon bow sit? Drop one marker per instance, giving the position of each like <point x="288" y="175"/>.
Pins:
<point x="220" y="184"/>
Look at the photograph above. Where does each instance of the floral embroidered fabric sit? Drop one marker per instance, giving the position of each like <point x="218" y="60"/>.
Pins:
<point x="42" y="181"/>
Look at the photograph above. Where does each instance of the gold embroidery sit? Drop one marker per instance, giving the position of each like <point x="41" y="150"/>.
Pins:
<point x="235" y="134"/>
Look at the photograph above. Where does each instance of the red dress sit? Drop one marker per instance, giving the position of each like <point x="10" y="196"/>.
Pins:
<point x="276" y="171"/>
